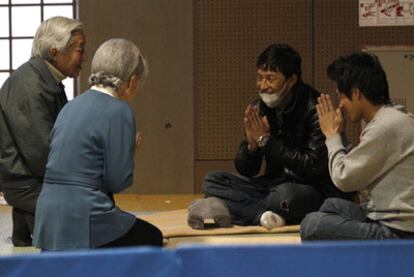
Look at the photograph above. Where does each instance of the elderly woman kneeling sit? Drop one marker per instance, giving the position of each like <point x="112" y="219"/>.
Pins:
<point x="91" y="157"/>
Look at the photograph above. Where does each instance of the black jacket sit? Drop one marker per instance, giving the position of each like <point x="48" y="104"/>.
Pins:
<point x="30" y="101"/>
<point x="296" y="149"/>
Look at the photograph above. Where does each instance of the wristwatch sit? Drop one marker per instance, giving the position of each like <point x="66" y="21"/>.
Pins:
<point x="262" y="141"/>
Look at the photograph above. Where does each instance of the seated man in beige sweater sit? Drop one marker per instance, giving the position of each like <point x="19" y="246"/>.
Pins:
<point x="381" y="166"/>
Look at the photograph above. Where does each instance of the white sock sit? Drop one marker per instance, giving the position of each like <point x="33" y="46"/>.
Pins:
<point x="270" y="220"/>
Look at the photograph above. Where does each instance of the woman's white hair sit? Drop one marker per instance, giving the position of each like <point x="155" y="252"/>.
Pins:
<point x="56" y="32"/>
<point x="115" y="62"/>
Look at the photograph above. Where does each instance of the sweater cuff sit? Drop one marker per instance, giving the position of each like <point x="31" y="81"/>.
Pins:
<point x="334" y="142"/>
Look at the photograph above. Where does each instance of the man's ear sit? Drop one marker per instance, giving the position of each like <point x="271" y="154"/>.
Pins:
<point x="53" y="53"/>
<point x="356" y="94"/>
<point x="293" y="78"/>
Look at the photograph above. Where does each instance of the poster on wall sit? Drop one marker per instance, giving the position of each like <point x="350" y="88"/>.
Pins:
<point x="386" y="12"/>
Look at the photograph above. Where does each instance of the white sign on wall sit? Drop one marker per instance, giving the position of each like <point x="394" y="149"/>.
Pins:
<point x="386" y="12"/>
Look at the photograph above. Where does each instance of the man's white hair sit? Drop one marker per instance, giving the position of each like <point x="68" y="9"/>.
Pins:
<point x="114" y="63"/>
<point x="55" y="32"/>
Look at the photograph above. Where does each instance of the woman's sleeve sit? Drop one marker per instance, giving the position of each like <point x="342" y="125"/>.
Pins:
<point x="119" y="148"/>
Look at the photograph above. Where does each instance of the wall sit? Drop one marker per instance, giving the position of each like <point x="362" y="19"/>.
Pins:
<point x="164" y="111"/>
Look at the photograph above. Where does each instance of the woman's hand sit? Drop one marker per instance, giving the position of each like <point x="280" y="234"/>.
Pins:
<point x="138" y="140"/>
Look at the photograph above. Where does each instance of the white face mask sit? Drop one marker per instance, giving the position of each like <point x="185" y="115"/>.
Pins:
<point x="274" y="99"/>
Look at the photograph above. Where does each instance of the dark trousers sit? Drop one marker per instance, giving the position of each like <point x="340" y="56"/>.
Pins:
<point x="339" y="219"/>
<point x="248" y="198"/>
<point x="142" y="233"/>
<point x="23" y="199"/>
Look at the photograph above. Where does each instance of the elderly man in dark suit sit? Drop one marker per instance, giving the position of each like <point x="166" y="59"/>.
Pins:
<point x="30" y="101"/>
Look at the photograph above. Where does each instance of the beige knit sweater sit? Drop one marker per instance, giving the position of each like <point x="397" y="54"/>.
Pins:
<point x="381" y="166"/>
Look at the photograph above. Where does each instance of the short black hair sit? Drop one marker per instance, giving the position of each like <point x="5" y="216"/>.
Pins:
<point x="362" y="71"/>
<point x="280" y="57"/>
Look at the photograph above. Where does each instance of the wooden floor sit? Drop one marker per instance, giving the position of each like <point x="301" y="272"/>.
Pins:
<point x="147" y="204"/>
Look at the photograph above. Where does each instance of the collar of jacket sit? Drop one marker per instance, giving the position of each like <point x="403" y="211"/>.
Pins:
<point x="41" y="67"/>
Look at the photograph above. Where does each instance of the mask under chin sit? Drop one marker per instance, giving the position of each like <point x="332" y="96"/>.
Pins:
<point x="274" y="99"/>
<point x="271" y="100"/>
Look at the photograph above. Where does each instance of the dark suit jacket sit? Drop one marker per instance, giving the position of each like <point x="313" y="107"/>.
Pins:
<point x="30" y="101"/>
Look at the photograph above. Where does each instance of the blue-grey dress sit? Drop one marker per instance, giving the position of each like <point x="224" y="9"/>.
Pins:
<point x="91" y="157"/>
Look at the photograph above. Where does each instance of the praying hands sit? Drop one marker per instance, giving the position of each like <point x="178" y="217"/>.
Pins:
<point x="330" y="119"/>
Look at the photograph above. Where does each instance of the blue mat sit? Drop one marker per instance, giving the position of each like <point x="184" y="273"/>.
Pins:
<point x="114" y="263"/>
<point x="352" y="258"/>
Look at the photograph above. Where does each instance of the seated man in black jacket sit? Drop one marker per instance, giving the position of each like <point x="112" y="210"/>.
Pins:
<point x="282" y="129"/>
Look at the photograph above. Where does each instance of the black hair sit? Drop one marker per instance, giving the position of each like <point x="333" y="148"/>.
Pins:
<point x="282" y="58"/>
<point x="361" y="71"/>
